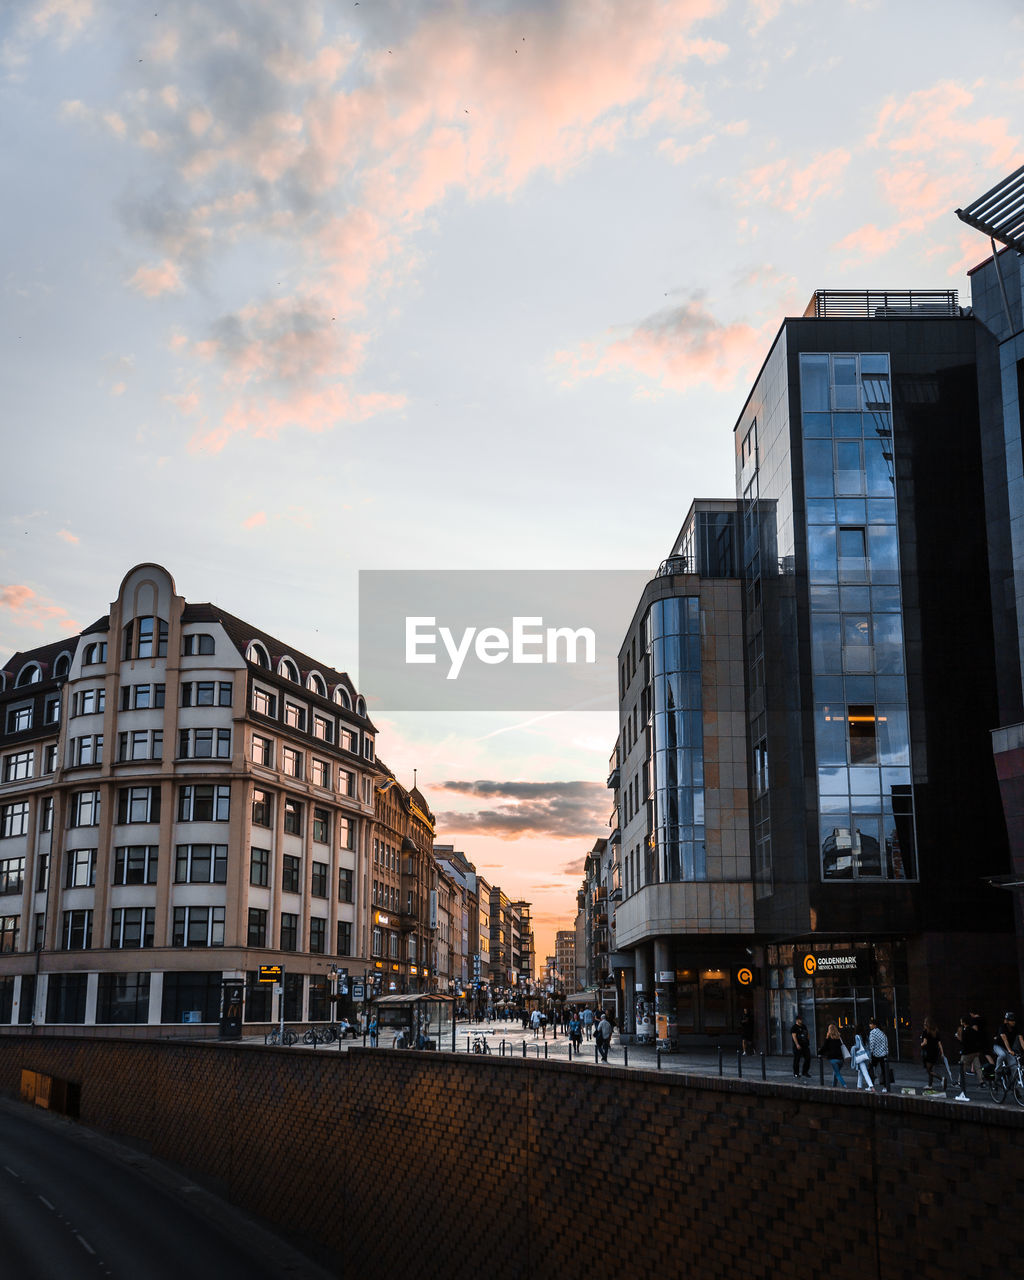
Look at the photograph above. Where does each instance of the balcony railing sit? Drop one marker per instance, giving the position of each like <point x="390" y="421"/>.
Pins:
<point x="874" y="304"/>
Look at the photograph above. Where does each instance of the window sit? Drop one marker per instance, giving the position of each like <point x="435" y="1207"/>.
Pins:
<point x="12" y="875"/>
<point x="204" y="744"/>
<point x="315" y="683"/>
<point x="201" y="864"/>
<point x="65" y="997"/>
<point x="378" y="941"/>
<point x="131" y="927"/>
<point x="289" y="931"/>
<point x="46" y="814"/>
<point x="346" y="833"/>
<point x="14" y="818"/>
<point x="318" y="888"/>
<point x="88" y="702"/>
<point x="62" y="667"/>
<point x="262" y="750"/>
<point x="19" y="719"/>
<point x="81" y="869"/>
<point x="346" y="782"/>
<point x="40" y="931"/>
<point x="135" y="864"/>
<point x="291" y="873"/>
<point x="50" y="758"/>
<point x="17" y="767"/>
<point x="51" y="709"/>
<point x="94" y="653"/>
<point x="140" y="744"/>
<point x="9" y="933"/>
<point x="257" y="654"/>
<point x="204" y="803"/>
<point x="317" y="935"/>
<point x="123" y="997"/>
<point x="145" y="638"/>
<point x="291" y="762"/>
<point x="140" y="697"/>
<point x="347" y="741"/>
<point x="852" y="543"/>
<point x="293" y="816"/>
<point x="138" y="804"/>
<point x="87" y="749"/>
<point x="368" y="748"/>
<point x="323" y="728"/>
<point x="259" y="866"/>
<point x="294" y="716"/>
<point x="320" y="774"/>
<point x="198" y="927"/>
<point x="345" y="882"/>
<point x="206" y="693"/>
<point x="264" y="703"/>
<point x="344" y="937"/>
<point x="257" y="935"/>
<point x="288" y="669"/>
<point x="321" y="826"/>
<point x="76" y="931"/>
<point x="85" y="809"/>
<point x="199" y="644"/>
<point x="341" y="697"/>
<point x="262" y="810"/>
<point x="863" y="736"/>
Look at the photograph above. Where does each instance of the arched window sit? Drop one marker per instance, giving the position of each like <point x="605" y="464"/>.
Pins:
<point x="315" y="683"/>
<point x="145" y="638"/>
<point x="62" y="666"/>
<point x="361" y="705"/>
<point x="31" y="673"/>
<point x="257" y="653"/>
<point x="341" y="697"/>
<point x="287" y="668"/>
<point x="95" y="652"/>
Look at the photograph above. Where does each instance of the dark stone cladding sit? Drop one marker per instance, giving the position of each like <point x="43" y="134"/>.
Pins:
<point x="385" y="1163"/>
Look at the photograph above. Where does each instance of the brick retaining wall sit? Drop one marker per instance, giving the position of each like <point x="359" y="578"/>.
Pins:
<point x="435" y="1165"/>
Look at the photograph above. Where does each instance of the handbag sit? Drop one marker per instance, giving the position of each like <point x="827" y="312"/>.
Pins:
<point x="846" y="1054"/>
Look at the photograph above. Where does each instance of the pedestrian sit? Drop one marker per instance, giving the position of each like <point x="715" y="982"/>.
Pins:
<point x="835" y="1051"/>
<point x="862" y="1060"/>
<point x="801" y="1038"/>
<point x="588" y="1022"/>
<point x="878" y="1047"/>
<point x="575" y="1031"/>
<point x="603" y="1037"/>
<point x="931" y="1048"/>
<point x="972" y="1048"/>
<point x="535" y="1018"/>
<point x="747" y="1032"/>
<point x="373" y="1031"/>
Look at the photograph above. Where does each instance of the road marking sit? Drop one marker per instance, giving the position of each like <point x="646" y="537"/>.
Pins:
<point x="84" y="1243"/>
<point x="12" y="1173"/>
<point x="47" y="1203"/>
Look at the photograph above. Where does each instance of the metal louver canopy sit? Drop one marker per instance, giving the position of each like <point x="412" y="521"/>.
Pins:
<point x="999" y="213"/>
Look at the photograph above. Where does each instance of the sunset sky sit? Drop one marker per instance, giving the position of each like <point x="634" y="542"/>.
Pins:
<point x="292" y="290"/>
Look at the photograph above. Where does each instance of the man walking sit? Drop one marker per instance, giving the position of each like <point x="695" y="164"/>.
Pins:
<point x="878" y="1047"/>
<point x="801" y="1038"/>
<point x="603" y="1037"/>
<point x="588" y="1021"/>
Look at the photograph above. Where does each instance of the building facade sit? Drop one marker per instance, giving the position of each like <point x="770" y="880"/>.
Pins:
<point x="183" y="798"/>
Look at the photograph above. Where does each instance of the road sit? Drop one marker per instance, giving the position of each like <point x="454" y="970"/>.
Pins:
<point x="75" y="1205"/>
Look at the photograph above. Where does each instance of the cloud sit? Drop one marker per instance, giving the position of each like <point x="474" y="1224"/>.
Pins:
<point x="280" y="130"/>
<point x="555" y="810"/>
<point x="678" y="348"/>
<point x="574" y="868"/>
<point x="254" y="521"/>
<point x="67" y="536"/>
<point x="30" y="610"/>
<point x="792" y="189"/>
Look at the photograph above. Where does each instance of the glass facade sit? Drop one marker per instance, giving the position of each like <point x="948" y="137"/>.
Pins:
<point x="861" y="721"/>
<point x="676" y="749"/>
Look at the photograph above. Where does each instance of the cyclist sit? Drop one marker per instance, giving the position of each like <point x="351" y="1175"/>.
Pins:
<point x="1008" y="1039"/>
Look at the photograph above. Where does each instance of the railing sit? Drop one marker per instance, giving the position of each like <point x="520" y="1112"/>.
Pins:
<point x="871" y="304"/>
<point x="675" y="564"/>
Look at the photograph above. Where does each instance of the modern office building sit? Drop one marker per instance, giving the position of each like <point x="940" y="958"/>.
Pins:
<point x="183" y="798"/>
<point x="810" y="682"/>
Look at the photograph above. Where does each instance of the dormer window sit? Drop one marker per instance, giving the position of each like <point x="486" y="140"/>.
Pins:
<point x="257" y="653"/>
<point x="315" y="683"/>
<point x="31" y="673"/>
<point x="145" y="638"/>
<point x="62" y="666"/>
<point x="341" y="697"/>
<point x="287" y="668"/>
<point x="199" y="645"/>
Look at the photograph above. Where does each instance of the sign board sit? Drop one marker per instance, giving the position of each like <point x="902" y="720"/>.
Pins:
<point x="851" y="965"/>
<point x="270" y="973"/>
<point x="745" y="977"/>
<point x="669" y="975"/>
<point x="357" y="991"/>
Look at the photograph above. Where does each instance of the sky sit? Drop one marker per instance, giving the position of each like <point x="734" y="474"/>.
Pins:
<point x="290" y="291"/>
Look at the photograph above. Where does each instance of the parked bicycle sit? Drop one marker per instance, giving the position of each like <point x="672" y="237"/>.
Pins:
<point x="321" y="1035"/>
<point x="275" y="1036"/>
<point x="1008" y="1077"/>
<point x="479" y="1042"/>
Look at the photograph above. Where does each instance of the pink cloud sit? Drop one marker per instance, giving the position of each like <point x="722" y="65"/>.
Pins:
<point x="67" y="536"/>
<point x="30" y="610"/>
<point x="257" y="519"/>
<point x="165" y="277"/>
<point x="677" y="348"/>
<point x="793" y="189"/>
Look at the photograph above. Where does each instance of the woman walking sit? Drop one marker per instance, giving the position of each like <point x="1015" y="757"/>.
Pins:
<point x="931" y="1048"/>
<point x="833" y="1048"/>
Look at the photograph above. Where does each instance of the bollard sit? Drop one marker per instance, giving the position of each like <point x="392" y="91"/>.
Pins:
<point x="467" y="1044"/>
<point x="821" y="1070"/>
<point x="739" y="1064"/>
<point x="595" y="1053"/>
<point x="719" y="1059"/>
<point x="625" y="1055"/>
<point x="764" y="1070"/>
<point x="659" y="1059"/>
<point x="545" y="1053"/>
<point x="524" y="1048"/>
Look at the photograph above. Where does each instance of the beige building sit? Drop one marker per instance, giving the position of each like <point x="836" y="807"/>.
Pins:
<point x="183" y="798"/>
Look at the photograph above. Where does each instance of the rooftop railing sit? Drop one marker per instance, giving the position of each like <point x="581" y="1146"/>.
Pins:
<point x="875" y="304"/>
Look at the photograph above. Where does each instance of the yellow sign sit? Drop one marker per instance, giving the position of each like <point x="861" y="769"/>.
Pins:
<point x="270" y="973"/>
<point x="810" y="966"/>
<point x="745" y="977"/>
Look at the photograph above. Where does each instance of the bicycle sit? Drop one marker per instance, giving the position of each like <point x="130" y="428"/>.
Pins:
<point x="274" y="1036"/>
<point x="1008" y="1077"/>
<point x="321" y="1035"/>
<point x="479" y="1042"/>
